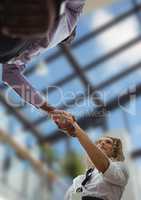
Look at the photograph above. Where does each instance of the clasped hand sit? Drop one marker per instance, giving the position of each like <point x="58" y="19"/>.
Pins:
<point x="65" y="121"/>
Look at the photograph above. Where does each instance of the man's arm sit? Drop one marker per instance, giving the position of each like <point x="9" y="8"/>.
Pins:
<point x="13" y="76"/>
<point x="65" y="30"/>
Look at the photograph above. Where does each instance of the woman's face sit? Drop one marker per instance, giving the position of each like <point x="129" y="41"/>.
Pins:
<point x="106" y="145"/>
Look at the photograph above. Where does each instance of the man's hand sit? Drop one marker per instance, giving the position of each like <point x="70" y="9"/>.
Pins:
<point x="26" y="18"/>
<point x="65" y="121"/>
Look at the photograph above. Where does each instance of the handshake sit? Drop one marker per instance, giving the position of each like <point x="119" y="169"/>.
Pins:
<point x="65" y="121"/>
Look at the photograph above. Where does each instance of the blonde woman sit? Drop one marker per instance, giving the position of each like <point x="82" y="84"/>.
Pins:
<point x="108" y="175"/>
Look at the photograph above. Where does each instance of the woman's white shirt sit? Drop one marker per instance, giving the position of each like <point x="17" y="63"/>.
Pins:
<point x="107" y="186"/>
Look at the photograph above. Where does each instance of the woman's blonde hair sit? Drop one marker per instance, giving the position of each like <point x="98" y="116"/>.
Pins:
<point x="117" y="154"/>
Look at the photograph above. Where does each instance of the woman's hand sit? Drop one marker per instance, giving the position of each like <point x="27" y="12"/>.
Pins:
<point x="65" y="121"/>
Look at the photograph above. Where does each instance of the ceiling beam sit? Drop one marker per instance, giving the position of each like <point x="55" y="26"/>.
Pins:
<point x="24" y="153"/>
<point x="136" y="154"/>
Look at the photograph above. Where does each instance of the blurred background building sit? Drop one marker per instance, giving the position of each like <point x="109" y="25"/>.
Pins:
<point x="103" y="65"/>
